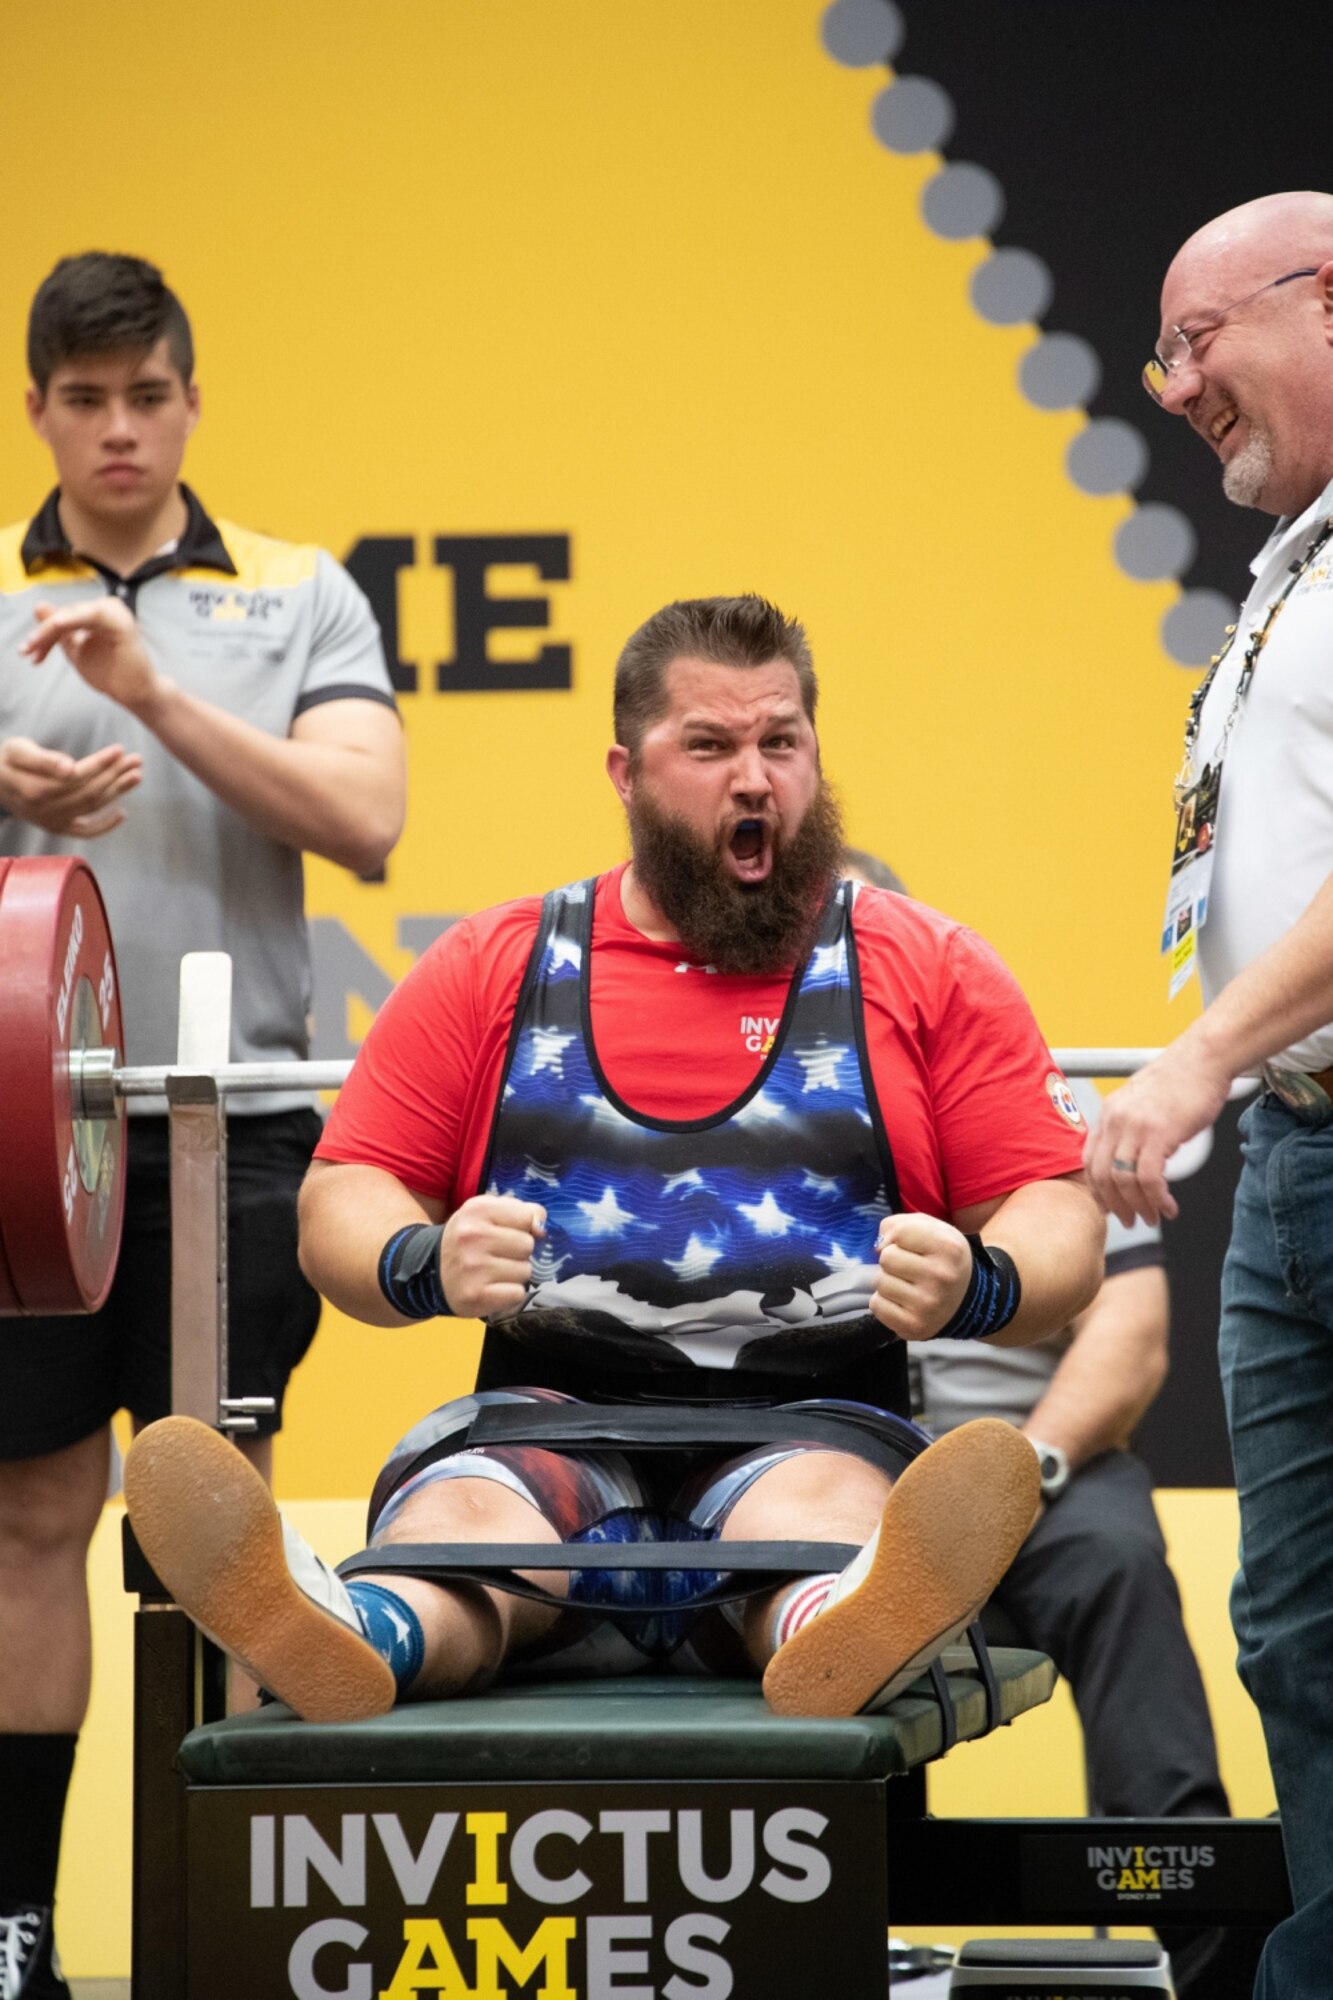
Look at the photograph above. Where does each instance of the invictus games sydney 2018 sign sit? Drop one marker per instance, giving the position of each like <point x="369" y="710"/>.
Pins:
<point x="657" y="1892"/>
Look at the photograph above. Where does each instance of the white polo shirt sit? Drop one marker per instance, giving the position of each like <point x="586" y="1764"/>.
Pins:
<point x="1274" y="836"/>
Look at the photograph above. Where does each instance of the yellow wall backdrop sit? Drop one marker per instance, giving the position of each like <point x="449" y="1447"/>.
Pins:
<point x="635" y="273"/>
<point x="640" y="275"/>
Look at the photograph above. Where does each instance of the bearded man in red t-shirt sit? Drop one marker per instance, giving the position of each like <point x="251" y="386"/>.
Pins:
<point x="711" y="1129"/>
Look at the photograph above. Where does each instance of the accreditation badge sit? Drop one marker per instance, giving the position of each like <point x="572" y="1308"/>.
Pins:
<point x="1191" y="877"/>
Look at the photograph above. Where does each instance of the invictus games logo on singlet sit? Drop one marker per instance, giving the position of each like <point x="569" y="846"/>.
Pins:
<point x="758" y="1032"/>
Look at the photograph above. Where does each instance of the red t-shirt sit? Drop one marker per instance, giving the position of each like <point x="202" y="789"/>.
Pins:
<point x="972" y="1102"/>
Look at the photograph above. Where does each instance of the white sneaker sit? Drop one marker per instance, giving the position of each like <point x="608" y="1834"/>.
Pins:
<point x="954" y="1522"/>
<point x="208" y="1525"/>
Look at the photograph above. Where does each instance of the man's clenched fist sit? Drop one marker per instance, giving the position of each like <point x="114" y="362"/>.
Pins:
<point x="925" y="1267"/>
<point x="486" y="1254"/>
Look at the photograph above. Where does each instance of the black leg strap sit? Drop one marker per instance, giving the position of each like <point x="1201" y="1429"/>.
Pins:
<point x="939" y="1681"/>
<point x="986" y="1671"/>
<point x="727" y="1571"/>
<point x="879" y="1437"/>
<point x="694" y="1427"/>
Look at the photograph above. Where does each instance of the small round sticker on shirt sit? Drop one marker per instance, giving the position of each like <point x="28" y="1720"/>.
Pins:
<point x="1064" y="1100"/>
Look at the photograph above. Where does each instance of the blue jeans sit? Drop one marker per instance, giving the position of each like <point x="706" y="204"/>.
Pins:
<point x="1277" y="1375"/>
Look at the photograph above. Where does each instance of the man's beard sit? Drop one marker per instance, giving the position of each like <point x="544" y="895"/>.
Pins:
<point x="1248" y="473"/>
<point x="737" y="926"/>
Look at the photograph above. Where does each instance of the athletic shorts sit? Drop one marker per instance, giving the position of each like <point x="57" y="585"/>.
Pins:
<point x="61" y="1379"/>
<point x="603" y="1497"/>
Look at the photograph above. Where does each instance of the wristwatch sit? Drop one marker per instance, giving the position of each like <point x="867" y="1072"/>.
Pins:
<point x="1053" y="1465"/>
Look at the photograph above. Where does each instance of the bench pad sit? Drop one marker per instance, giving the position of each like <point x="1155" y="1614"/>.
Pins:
<point x="641" y="1727"/>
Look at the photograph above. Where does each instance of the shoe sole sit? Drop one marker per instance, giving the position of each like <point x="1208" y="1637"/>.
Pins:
<point x="208" y="1525"/>
<point x="954" y="1522"/>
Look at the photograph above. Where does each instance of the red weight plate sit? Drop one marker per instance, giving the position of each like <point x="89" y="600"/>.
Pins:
<point x="62" y="1184"/>
<point x="9" y="1298"/>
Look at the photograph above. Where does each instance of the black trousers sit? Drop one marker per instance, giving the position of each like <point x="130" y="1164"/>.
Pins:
<point x="1091" y="1588"/>
<point x="64" y="1377"/>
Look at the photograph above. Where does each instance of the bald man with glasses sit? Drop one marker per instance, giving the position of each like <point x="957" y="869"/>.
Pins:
<point x="1245" y="355"/>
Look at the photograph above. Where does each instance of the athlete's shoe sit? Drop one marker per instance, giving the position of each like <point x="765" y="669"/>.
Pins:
<point x="954" y="1522"/>
<point x="29" y="1965"/>
<point x="208" y="1525"/>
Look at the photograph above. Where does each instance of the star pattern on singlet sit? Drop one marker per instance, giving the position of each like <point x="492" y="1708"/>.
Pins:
<point x="713" y="1236"/>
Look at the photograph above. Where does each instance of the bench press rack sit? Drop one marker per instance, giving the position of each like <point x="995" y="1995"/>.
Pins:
<point x="548" y="1834"/>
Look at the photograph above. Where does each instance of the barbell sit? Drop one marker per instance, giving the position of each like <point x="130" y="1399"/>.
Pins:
<point x="63" y="1088"/>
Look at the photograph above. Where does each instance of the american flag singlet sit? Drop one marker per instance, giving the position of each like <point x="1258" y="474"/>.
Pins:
<point x="744" y="1240"/>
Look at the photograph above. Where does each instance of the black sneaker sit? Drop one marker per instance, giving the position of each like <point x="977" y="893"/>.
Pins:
<point x="29" y="1965"/>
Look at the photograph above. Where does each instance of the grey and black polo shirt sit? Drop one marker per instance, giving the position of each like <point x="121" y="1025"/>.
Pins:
<point x="264" y="629"/>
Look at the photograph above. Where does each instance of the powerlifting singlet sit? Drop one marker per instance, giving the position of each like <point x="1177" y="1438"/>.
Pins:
<point x="744" y="1241"/>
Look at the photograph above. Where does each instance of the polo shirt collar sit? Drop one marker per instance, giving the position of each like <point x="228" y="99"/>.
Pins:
<point x="200" y="546"/>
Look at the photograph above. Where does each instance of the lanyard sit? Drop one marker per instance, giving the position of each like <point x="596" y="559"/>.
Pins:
<point x="1254" y="646"/>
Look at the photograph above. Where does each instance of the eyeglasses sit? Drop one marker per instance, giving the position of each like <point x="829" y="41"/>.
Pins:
<point x="1175" y="350"/>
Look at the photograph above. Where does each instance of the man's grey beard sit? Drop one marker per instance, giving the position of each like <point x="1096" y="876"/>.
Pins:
<point x="1248" y="473"/>
<point x="762" y="927"/>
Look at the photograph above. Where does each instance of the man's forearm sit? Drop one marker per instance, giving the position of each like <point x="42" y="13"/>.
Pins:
<point x="326" y="798"/>
<point x="1277" y="1000"/>
<point x="347" y="1215"/>
<point x="1056" y="1235"/>
<point x="1111" y="1372"/>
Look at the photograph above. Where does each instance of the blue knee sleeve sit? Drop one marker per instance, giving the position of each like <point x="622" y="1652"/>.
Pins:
<point x="392" y="1628"/>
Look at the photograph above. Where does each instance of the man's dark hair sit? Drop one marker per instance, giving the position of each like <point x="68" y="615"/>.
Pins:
<point x="869" y="866"/>
<point x="97" y="303"/>
<point x="731" y="631"/>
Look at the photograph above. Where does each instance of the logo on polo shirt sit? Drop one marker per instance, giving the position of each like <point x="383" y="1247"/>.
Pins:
<point x="233" y="607"/>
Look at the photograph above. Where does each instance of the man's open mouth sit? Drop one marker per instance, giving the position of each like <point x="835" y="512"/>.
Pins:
<point x="749" y="848"/>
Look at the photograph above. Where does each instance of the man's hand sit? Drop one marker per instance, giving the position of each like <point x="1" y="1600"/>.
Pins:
<point x="66" y="795"/>
<point x="925" y="1267"/>
<point x="1141" y="1125"/>
<point x="102" y="641"/>
<point x="486" y="1254"/>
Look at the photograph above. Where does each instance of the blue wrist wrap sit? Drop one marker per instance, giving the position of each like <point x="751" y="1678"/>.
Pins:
<point x="409" y="1271"/>
<point x="991" y="1299"/>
